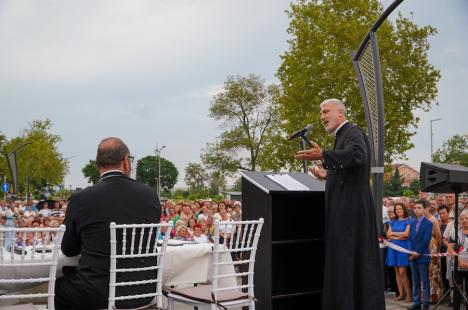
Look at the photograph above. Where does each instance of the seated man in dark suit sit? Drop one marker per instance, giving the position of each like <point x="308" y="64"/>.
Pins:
<point x="419" y="238"/>
<point x="115" y="198"/>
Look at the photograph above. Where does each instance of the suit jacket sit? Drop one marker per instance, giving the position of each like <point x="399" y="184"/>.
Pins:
<point x="116" y="198"/>
<point x="419" y="241"/>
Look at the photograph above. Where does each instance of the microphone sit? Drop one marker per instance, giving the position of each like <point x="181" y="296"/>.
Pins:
<point x="301" y="133"/>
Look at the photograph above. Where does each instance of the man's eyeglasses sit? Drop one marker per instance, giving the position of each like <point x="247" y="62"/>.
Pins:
<point x="131" y="158"/>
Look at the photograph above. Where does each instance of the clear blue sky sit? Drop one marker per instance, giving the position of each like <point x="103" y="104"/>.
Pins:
<point x="146" y="70"/>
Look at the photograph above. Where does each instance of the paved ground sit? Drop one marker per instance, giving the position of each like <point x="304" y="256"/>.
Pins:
<point x="400" y="305"/>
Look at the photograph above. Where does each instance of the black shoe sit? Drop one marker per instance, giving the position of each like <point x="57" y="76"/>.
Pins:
<point x="414" y="307"/>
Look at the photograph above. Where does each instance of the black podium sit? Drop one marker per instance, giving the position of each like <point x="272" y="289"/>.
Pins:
<point x="285" y="276"/>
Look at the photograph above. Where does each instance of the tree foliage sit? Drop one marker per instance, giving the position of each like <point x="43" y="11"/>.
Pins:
<point x="246" y="108"/>
<point x="147" y="172"/>
<point x="453" y="151"/>
<point x="415" y="187"/>
<point x="318" y="66"/>
<point x="195" y="177"/>
<point x="91" y="172"/>
<point x="237" y="186"/>
<point x="40" y="159"/>
<point x="217" y="183"/>
<point x="394" y="188"/>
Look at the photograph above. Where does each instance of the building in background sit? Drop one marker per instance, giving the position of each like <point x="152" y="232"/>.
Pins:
<point x="407" y="174"/>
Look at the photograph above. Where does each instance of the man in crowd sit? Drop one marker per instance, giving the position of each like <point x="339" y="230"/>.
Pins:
<point x="115" y="198"/>
<point x="450" y="203"/>
<point x="353" y="277"/>
<point x="420" y="236"/>
<point x="444" y="222"/>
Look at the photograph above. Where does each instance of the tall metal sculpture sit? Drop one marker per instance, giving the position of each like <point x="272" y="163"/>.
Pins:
<point x="367" y="65"/>
<point x="13" y="165"/>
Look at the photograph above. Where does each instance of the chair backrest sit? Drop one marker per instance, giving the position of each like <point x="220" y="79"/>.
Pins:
<point x="235" y="246"/>
<point x="23" y="248"/>
<point x="142" y="242"/>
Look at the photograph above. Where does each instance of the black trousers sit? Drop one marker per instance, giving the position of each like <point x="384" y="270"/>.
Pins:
<point x="443" y="271"/>
<point x="71" y="293"/>
<point x="75" y="291"/>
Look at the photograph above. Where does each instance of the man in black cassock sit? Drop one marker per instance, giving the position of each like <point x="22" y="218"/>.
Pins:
<point x="353" y="276"/>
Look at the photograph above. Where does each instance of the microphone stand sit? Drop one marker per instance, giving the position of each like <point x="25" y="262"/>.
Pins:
<point x="458" y="293"/>
<point x="304" y="161"/>
<point x="303" y="147"/>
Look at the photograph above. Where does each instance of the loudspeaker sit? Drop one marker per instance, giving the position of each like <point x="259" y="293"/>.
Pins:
<point x="443" y="178"/>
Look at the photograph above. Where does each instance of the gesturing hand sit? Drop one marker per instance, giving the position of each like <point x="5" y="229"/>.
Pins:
<point x="319" y="172"/>
<point x="314" y="153"/>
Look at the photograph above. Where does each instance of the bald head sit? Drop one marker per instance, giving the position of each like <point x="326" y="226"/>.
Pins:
<point x="110" y="153"/>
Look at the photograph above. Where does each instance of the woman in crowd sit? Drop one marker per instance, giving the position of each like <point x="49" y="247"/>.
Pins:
<point x="236" y="211"/>
<point x="390" y="275"/>
<point x="210" y="226"/>
<point x="191" y="225"/>
<point x="182" y="234"/>
<point x="462" y="242"/>
<point x="202" y="223"/>
<point x="398" y="234"/>
<point x="434" y="266"/>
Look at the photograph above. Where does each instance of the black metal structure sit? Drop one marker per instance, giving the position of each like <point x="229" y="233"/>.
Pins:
<point x="13" y="165"/>
<point x="367" y="65"/>
<point x="447" y="178"/>
<point x="286" y="277"/>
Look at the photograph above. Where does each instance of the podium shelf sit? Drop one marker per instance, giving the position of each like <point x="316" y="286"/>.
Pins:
<point x="294" y="241"/>
<point x="274" y="297"/>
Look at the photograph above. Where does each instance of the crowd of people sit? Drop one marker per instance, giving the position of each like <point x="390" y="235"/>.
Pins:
<point x="192" y="221"/>
<point x="33" y="214"/>
<point x="195" y="221"/>
<point x="425" y="226"/>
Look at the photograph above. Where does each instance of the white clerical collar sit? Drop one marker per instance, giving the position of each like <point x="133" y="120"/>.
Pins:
<point x="339" y="127"/>
<point x="114" y="170"/>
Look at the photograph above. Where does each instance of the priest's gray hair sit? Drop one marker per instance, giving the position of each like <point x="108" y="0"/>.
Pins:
<point x="336" y="102"/>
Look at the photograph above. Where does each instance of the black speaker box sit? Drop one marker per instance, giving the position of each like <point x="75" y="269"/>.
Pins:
<point x="443" y="178"/>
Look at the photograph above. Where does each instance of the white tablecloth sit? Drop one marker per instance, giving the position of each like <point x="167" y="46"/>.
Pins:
<point x="183" y="264"/>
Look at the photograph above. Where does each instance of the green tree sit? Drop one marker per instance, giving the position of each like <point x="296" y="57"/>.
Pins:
<point x="91" y="172"/>
<point x="246" y="108"/>
<point x="40" y="159"/>
<point x="394" y="188"/>
<point x="147" y="172"/>
<point x="318" y="65"/>
<point x="415" y="187"/>
<point x="195" y="177"/>
<point x="237" y="186"/>
<point x="453" y="151"/>
<point x="217" y="182"/>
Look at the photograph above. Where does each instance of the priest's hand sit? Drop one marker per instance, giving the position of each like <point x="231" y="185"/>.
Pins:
<point x="319" y="172"/>
<point x="314" y="153"/>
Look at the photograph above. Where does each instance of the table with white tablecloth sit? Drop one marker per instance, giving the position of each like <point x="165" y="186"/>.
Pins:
<point x="183" y="264"/>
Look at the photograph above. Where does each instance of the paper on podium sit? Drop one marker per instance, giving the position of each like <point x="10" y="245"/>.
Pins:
<point x="286" y="181"/>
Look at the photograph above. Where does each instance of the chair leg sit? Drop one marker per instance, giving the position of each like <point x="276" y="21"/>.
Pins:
<point x="252" y="305"/>
<point x="213" y="307"/>
<point x="170" y="303"/>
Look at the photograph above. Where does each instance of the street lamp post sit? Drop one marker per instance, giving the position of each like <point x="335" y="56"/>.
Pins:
<point x="158" y="153"/>
<point x="432" y="149"/>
